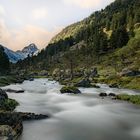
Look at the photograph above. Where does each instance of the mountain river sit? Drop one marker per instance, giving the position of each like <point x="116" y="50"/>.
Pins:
<point x="84" y="116"/>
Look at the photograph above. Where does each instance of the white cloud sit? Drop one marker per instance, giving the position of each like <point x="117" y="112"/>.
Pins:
<point x="39" y="13"/>
<point x="4" y="32"/>
<point x="2" y="10"/>
<point x="87" y="3"/>
<point x="18" y="38"/>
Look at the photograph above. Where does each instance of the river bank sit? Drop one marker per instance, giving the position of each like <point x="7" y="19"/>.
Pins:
<point x="11" y="122"/>
<point x="42" y="92"/>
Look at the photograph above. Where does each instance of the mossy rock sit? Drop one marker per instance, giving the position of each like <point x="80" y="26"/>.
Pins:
<point x="70" y="89"/>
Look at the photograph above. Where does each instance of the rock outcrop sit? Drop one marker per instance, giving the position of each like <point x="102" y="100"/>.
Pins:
<point x="84" y="83"/>
<point x="14" y="91"/>
<point x="32" y="116"/>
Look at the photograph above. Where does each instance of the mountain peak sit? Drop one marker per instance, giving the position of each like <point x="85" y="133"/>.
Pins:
<point x="30" y="50"/>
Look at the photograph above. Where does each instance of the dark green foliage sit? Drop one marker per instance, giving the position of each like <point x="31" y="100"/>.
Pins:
<point x="8" y="104"/>
<point x="119" y="38"/>
<point x="4" y="62"/>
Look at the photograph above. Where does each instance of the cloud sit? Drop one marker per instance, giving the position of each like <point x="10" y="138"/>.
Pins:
<point x="39" y="13"/>
<point x="4" y="33"/>
<point x="2" y="10"/>
<point x="18" y="38"/>
<point x="86" y="4"/>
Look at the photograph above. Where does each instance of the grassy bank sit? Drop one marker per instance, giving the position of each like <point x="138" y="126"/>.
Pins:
<point x="123" y="82"/>
<point x="7" y="80"/>
<point x="135" y="99"/>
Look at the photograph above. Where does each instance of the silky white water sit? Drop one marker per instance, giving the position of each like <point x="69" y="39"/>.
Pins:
<point x="76" y="117"/>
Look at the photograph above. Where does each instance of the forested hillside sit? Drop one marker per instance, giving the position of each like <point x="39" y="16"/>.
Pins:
<point x="4" y="62"/>
<point x="108" y="40"/>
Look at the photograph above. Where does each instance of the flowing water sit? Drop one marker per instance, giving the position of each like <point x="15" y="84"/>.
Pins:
<point x="76" y="117"/>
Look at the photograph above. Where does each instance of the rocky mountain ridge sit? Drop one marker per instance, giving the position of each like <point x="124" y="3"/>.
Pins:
<point x="14" y="57"/>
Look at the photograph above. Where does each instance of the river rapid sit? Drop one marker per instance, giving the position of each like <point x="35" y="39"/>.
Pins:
<point x="76" y="117"/>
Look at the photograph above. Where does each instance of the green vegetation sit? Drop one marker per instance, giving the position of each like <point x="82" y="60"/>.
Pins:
<point x="108" y="40"/>
<point x="7" y="80"/>
<point x="135" y="99"/>
<point x="8" y="104"/>
<point x="4" y="62"/>
<point x="68" y="32"/>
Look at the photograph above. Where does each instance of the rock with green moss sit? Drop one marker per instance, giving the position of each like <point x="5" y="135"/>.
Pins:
<point x="8" y="104"/>
<point x="10" y="125"/>
<point x="70" y="89"/>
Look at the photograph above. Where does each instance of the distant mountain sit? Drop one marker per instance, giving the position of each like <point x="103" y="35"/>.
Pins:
<point x="30" y="50"/>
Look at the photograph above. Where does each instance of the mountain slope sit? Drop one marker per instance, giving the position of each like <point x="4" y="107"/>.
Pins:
<point x="68" y="32"/>
<point x="108" y="40"/>
<point x="21" y="55"/>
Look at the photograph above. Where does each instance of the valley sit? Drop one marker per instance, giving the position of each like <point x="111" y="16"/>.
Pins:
<point x="84" y="84"/>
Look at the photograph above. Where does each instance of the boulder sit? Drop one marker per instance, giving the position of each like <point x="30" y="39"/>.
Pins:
<point x="84" y="83"/>
<point x="13" y="120"/>
<point x="6" y="132"/>
<point x="3" y="95"/>
<point x="31" y="79"/>
<point x="11" y="123"/>
<point x="112" y="94"/>
<point x="115" y="85"/>
<point x="70" y="89"/>
<point x="103" y="94"/>
<point x="14" y="91"/>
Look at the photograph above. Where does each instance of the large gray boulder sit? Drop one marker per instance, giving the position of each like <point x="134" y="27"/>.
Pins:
<point x="6" y="132"/>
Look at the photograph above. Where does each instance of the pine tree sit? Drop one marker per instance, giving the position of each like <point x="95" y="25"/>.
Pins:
<point x="4" y="62"/>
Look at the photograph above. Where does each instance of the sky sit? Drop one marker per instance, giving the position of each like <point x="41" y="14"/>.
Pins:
<point x="23" y="22"/>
